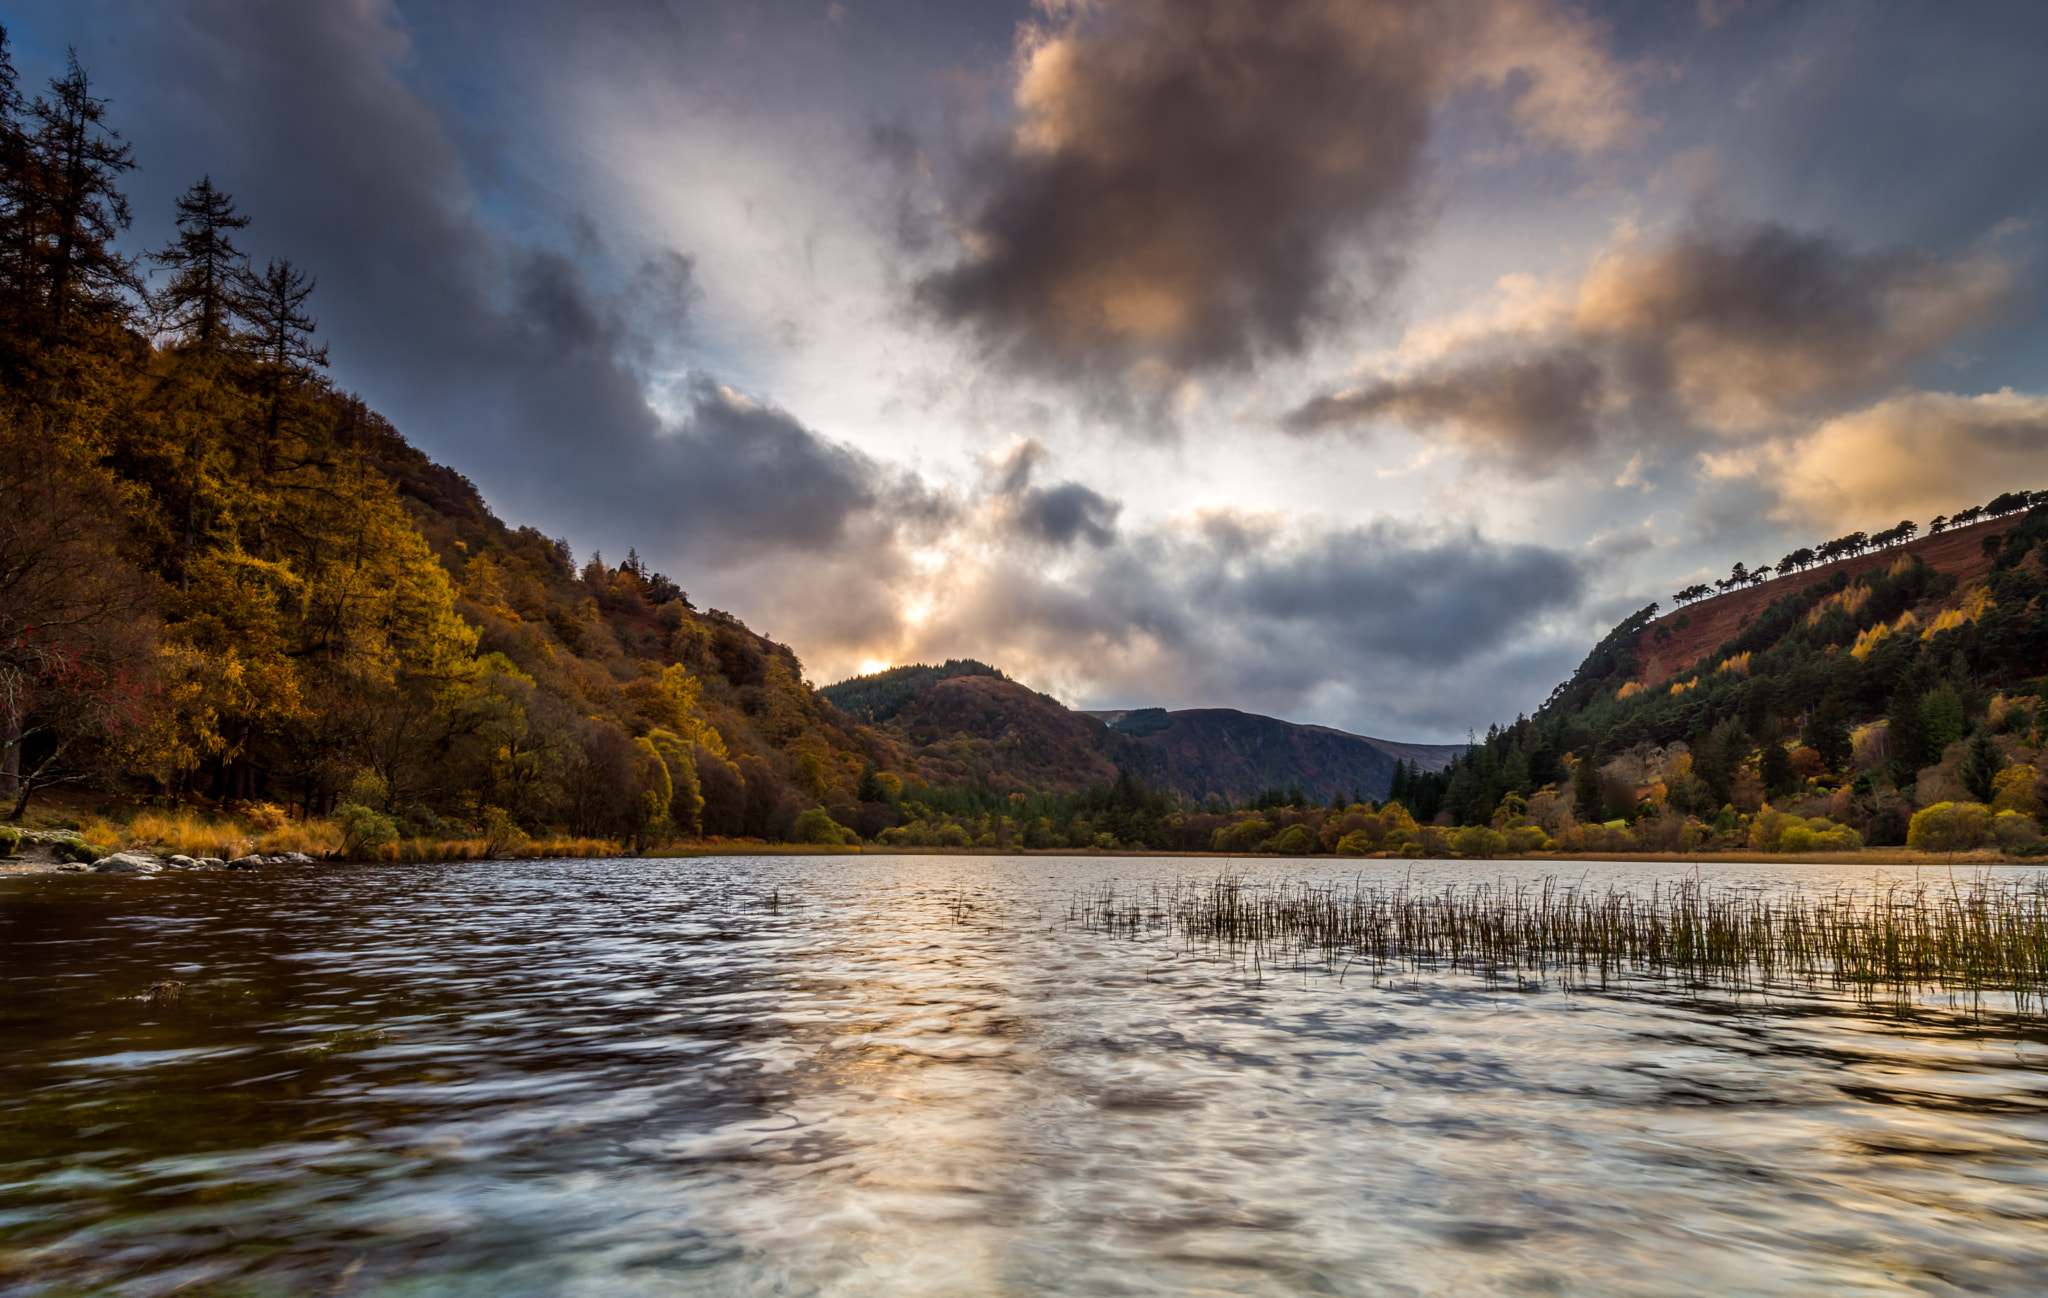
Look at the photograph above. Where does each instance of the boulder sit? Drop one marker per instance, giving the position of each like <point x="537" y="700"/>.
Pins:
<point x="74" y="867"/>
<point x="212" y="863"/>
<point x="180" y="862"/>
<point x="125" y="863"/>
<point x="246" y="863"/>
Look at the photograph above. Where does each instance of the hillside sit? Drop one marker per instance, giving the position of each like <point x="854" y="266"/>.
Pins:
<point x="1678" y="639"/>
<point x="967" y="724"/>
<point x="1856" y="693"/>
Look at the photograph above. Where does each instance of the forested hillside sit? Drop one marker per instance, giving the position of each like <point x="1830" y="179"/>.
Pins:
<point x="1897" y="678"/>
<point x="224" y="579"/>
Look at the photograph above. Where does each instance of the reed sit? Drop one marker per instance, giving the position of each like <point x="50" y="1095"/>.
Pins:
<point x="1977" y="938"/>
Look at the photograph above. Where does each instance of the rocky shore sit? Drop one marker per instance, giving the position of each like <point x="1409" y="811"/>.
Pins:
<point x="64" y="851"/>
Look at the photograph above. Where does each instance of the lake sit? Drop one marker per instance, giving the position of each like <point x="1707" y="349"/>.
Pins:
<point x="915" y="1076"/>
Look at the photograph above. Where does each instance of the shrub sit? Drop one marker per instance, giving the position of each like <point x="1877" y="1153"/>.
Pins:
<point x="2013" y="829"/>
<point x="10" y="840"/>
<point x="1797" y="838"/>
<point x="1356" y="843"/>
<point x="1479" y="840"/>
<point x="1949" y="827"/>
<point x="1527" y="838"/>
<point x="364" y="832"/>
<point x="1295" y="840"/>
<point x="817" y="826"/>
<point x="1245" y="836"/>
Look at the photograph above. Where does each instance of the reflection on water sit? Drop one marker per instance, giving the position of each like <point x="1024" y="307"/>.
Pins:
<point x="911" y="1076"/>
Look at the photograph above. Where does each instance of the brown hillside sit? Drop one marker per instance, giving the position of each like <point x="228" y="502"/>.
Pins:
<point x="994" y="732"/>
<point x="1696" y="630"/>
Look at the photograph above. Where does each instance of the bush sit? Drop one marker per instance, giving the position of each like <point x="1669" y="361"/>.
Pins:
<point x="2013" y="829"/>
<point x="10" y="841"/>
<point x="1356" y="843"/>
<point x="1478" y="840"/>
<point x="364" y="832"/>
<point x="1245" y="836"/>
<point x="817" y="826"/>
<point x="1949" y="827"/>
<point x="1295" y="840"/>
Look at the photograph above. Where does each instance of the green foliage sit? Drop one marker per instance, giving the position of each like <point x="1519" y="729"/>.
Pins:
<point x="363" y="830"/>
<point x="1827" y="732"/>
<point x="1980" y="767"/>
<point x="1942" y="721"/>
<point x="1295" y="840"/>
<point x="1950" y="827"/>
<point x="1479" y="841"/>
<point x="816" y="826"/>
<point x="10" y="841"/>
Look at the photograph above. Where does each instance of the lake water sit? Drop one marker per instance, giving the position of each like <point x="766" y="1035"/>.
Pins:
<point x="912" y="1076"/>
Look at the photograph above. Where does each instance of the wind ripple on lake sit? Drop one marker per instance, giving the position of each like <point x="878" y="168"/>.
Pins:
<point x="910" y="1076"/>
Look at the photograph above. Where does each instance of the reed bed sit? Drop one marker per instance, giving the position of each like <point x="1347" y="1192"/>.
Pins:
<point x="1984" y="937"/>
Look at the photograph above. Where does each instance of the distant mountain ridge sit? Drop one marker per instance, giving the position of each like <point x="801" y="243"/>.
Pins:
<point x="966" y="723"/>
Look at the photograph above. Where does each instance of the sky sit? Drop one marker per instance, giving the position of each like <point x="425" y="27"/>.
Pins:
<point x="1358" y="362"/>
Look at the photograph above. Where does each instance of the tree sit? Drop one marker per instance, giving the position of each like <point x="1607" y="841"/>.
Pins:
<point x="1589" y="804"/>
<point x="1775" y="769"/>
<point x="1827" y="733"/>
<point x="1908" y="735"/>
<point x="72" y="210"/>
<point x="1981" y="763"/>
<point x="1942" y="720"/>
<point x="280" y="340"/>
<point x="203" y="300"/>
<point x="76" y="618"/>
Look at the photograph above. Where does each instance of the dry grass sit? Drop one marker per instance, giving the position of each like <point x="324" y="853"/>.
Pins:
<point x="189" y="833"/>
<point x="1979" y="938"/>
<point x="422" y="850"/>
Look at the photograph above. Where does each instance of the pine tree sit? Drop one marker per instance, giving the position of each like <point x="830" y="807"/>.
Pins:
<point x="1587" y="803"/>
<point x="1908" y="737"/>
<point x="72" y="210"/>
<point x="1980" y="765"/>
<point x="203" y="300"/>
<point x="1827" y="733"/>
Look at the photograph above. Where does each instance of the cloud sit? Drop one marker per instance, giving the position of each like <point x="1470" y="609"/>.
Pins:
<point x="1413" y="631"/>
<point x="1732" y="330"/>
<point x="1914" y="456"/>
<point x="1196" y="184"/>
<point x="1058" y="515"/>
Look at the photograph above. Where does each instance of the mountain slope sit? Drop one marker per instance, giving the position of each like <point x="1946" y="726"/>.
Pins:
<point x="967" y="724"/>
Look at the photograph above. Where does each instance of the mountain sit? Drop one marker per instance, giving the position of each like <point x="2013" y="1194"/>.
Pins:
<point x="965" y="723"/>
<point x="1904" y="674"/>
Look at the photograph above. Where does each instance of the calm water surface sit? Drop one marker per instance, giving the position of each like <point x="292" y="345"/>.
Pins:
<point x="911" y="1076"/>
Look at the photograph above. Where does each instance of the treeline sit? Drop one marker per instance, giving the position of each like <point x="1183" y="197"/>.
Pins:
<point x="879" y="696"/>
<point x="224" y="581"/>
<point x="1856" y="543"/>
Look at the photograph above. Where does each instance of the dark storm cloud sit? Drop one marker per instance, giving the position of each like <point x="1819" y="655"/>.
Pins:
<point x="527" y="364"/>
<point x="1058" y="515"/>
<point x="1536" y="408"/>
<point x="1200" y="183"/>
<point x="1730" y="329"/>
<point x="1182" y="175"/>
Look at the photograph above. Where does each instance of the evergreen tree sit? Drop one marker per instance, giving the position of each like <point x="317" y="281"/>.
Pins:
<point x="1942" y="721"/>
<point x="1775" y="769"/>
<point x="1827" y="733"/>
<point x="1588" y="804"/>
<point x="71" y="209"/>
<point x="1980" y="765"/>
<point x="1908" y="736"/>
<point x="203" y="300"/>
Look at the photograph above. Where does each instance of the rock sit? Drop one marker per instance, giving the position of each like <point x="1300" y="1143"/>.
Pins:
<point x="299" y="858"/>
<point x="74" y="867"/>
<point x="212" y="863"/>
<point x="125" y="863"/>
<point x="246" y="863"/>
<point x="180" y="862"/>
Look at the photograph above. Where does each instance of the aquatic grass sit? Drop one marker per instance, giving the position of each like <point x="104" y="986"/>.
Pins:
<point x="1983" y="937"/>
